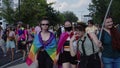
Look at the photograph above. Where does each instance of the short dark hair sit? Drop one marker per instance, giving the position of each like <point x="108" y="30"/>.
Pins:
<point x="91" y="22"/>
<point x="68" y="21"/>
<point x="45" y="18"/>
<point x="80" y="27"/>
<point x="11" y="28"/>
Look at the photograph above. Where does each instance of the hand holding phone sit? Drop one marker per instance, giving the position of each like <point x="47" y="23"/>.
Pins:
<point x="76" y="35"/>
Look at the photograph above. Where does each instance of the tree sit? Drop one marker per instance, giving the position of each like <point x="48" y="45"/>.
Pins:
<point x="68" y="15"/>
<point x="7" y="11"/>
<point x="34" y="10"/>
<point x="98" y="9"/>
<point x="31" y="11"/>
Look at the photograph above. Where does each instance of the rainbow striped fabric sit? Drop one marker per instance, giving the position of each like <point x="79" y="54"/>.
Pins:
<point x="50" y="48"/>
<point x="61" y="41"/>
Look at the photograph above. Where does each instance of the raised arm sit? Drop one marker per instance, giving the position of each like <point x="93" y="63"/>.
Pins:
<point x="73" y="46"/>
<point x="95" y="39"/>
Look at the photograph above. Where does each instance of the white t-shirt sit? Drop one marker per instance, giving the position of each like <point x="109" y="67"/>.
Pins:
<point x="62" y="29"/>
<point x="92" y="29"/>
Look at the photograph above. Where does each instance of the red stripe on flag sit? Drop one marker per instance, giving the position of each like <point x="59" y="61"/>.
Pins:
<point x="28" y="61"/>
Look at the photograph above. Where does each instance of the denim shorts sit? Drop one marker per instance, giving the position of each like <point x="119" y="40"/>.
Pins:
<point x="10" y="44"/>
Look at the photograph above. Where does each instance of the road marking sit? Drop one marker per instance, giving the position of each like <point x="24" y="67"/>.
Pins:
<point x="10" y="63"/>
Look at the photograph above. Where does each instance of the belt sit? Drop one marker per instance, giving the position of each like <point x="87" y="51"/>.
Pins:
<point x="89" y="55"/>
<point x="66" y="46"/>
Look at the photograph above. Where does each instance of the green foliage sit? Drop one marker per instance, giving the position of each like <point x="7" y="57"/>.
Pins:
<point x="98" y="9"/>
<point x="70" y="16"/>
<point x="7" y="12"/>
<point x="32" y="11"/>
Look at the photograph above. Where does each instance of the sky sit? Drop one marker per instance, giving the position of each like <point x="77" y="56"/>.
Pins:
<point x="78" y="7"/>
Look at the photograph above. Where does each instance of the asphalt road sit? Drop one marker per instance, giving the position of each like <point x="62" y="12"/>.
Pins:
<point x="7" y="59"/>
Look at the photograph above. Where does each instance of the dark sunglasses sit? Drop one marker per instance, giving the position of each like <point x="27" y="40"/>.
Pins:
<point x="45" y="24"/>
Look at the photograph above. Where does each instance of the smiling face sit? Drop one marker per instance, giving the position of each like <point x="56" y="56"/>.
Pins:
<point x="109" y="23"/>
<point x="44" y="24"/>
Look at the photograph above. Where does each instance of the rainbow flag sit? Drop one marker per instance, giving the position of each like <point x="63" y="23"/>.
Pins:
<point x="50" y="48"/>
<point x="63" y="38"/>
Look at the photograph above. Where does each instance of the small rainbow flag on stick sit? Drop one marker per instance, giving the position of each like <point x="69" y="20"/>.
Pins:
<point x="50" y="48"/>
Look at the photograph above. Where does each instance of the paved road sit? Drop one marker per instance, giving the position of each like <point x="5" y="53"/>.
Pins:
<point x="5" y="60"/>
<point x="18" y="64"/>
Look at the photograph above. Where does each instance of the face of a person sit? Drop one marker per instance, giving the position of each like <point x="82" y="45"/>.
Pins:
<point x="109" y="23"/>
<point x="44" y="25"/>
<point x="8" y="28"/>
<point x="79" y="33"/>
<point x="89" y="24"/>
<point x="67" y="24"/>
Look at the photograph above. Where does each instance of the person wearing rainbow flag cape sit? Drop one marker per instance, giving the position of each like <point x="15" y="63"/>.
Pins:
<point x="43" y="47"/>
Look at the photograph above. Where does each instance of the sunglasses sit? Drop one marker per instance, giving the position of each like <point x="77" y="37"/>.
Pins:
<point x="45" y="24"/>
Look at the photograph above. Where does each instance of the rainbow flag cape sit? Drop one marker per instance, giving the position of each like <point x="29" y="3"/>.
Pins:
<point x="62" y="40"/>
<point x="50" y="48"/>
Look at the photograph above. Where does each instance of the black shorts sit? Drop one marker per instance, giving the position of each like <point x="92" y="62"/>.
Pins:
<point x="21" y="46"/>
<point x="66" y="57"/>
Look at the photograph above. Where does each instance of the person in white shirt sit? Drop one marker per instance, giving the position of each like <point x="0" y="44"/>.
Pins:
<point x="91" y="27"/>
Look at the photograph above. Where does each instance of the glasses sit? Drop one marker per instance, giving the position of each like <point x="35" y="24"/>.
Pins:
<point x="45" y="24"/>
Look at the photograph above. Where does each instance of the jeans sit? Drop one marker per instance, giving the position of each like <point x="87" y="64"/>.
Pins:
<point x="111" y="62"/>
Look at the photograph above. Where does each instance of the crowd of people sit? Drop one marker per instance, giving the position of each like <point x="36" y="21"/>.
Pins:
<point x="71" y="46"/>
<point x="15" y="39"/>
